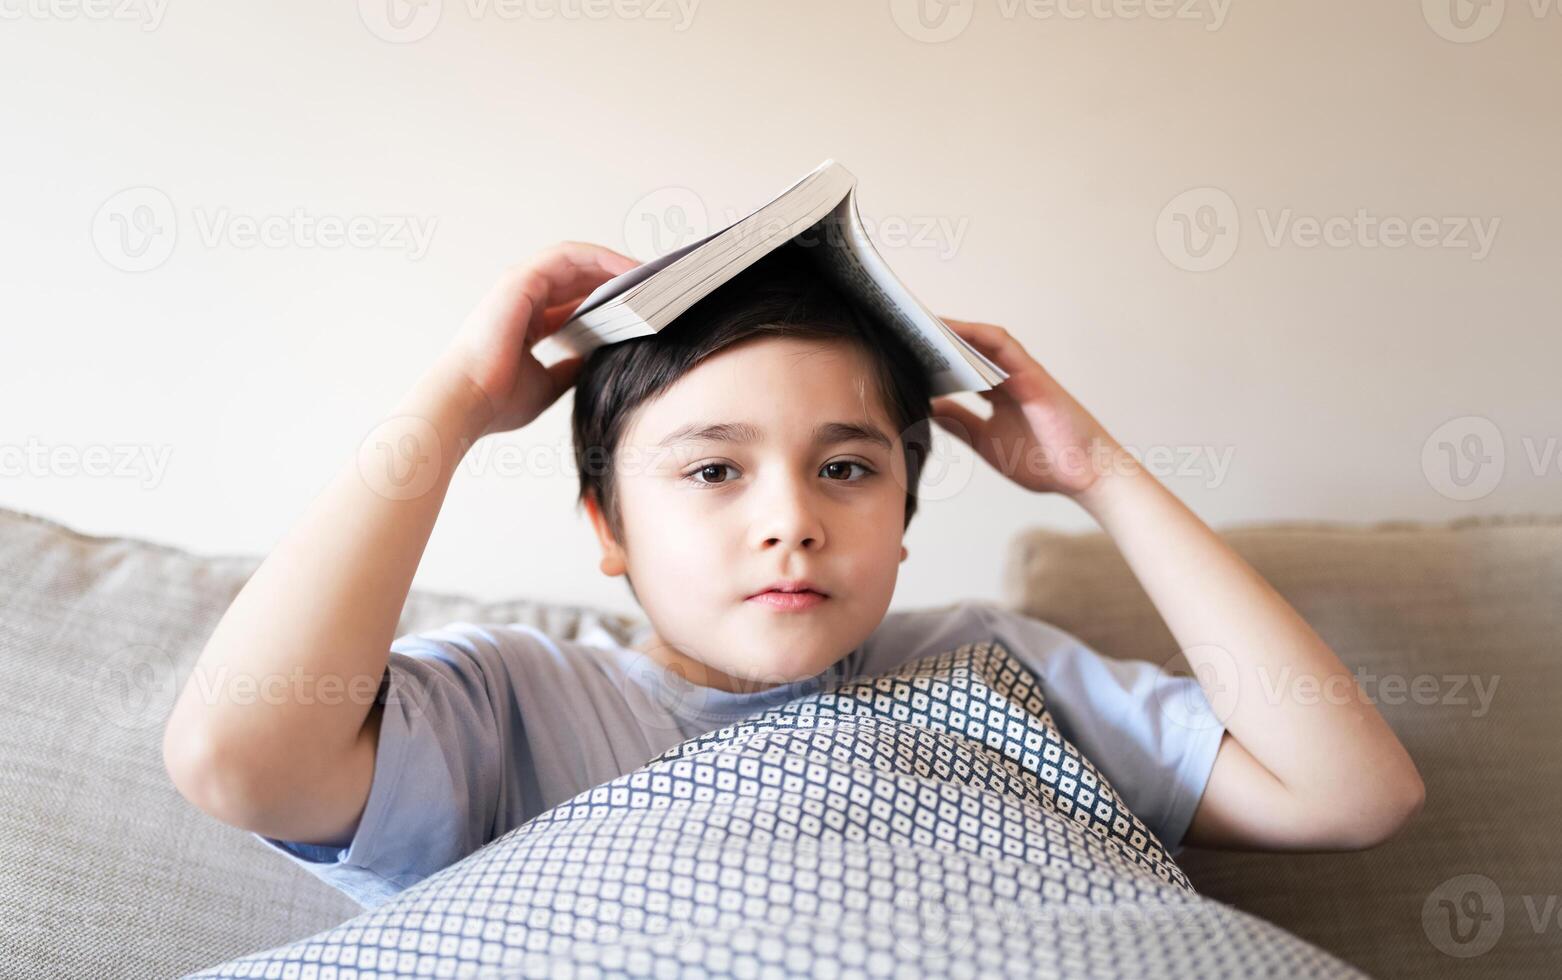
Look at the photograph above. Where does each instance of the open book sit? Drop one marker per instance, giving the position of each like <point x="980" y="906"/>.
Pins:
<point x="823" y="204"/>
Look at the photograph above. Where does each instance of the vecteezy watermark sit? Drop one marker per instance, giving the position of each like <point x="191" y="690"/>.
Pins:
<point x="670" y="218"/>
<point x="1468" y="21"/>
<point x="1465" y="458"/>
<point x="1218" y="683"/>
<point x="1473" y="691"/>
<point x="405" y="21"/>
<point x="1466" y="915"/>
<point x="136" y="229"/>
<point x="664" y="220"/>
<point x="935" y="21"/>
<point x="1199" y="229"/>
<point x="1212" y="463"/>
<point x="401" y="458"/>
<point x="1185" y="461"/>
<point x="118" y="461"/>
<point x="134" y="686"/>
<point x="298" y="685"/>
<point x="147" y="13"/>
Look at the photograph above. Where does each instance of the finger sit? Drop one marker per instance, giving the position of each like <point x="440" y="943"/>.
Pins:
<point x="571" y="271"/>
<point x="557" y="316"/>
<point x="572" y="267"/>
<point x="1004" y="350"/>
<point x="958" y="420"/>
<point x="989" y="338"/>
<point x="563" y="272"/>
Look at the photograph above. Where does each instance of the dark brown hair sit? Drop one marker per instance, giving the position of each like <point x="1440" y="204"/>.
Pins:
<point x="783" y="294"/>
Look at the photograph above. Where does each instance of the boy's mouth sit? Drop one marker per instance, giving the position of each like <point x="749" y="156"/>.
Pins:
<point x="789" y="601"/>
<point x="791" y="587"/>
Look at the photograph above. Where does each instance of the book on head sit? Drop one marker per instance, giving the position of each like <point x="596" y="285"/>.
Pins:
<point x="819" y="212"/>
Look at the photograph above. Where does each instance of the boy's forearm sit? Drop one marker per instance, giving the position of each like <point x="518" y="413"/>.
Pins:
<point x="295" y="662"/>
<point x="1254" y="655"/>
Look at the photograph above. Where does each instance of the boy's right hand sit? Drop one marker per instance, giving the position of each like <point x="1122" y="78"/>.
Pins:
<point x="531" y="300"/>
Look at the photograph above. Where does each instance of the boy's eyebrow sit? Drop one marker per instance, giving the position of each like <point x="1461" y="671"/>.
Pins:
<point x="826" y="434"/>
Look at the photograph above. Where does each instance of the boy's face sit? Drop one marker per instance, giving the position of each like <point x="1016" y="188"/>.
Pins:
<point x="710" y="522"/>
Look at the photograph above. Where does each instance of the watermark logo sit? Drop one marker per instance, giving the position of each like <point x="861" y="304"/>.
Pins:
<point x="935" y="21"/>
<point x="136" y="229"/>
<point x="949" y="462"/>
<point x="400" y="21"/>
<point x="1464" y="458"/>
<point x="118" y="461"/>
<point x="134" y="687"/>
<point x="401" y="458"/>
<point x="663" y="221"/>
<point x="406" y="21"/>
<point x="225" y="687"/>
<point x="1464" y="21"/>
<point x="1199" y="230"/>
<point x="147" y="13"/>
<point x="1463" y="916"/>
<point x="1206" y="692"/>
<point x="932" y="21"/>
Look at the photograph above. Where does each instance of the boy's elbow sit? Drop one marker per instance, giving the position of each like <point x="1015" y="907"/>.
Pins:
<point x="203" y="777"/>
<point x="1393" y="811"/>
<point x="1411" y="801"/>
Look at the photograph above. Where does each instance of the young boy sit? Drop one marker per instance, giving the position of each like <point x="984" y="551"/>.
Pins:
<point x="751" y="472"/>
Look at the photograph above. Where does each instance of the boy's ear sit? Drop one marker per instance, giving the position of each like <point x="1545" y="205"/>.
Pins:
<point x="612" y="555"/>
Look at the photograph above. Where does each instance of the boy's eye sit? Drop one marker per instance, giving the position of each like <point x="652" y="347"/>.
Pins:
<point x="834" y="467"/>
<point x="706" y="469"/>
<point x="847" y="464"/>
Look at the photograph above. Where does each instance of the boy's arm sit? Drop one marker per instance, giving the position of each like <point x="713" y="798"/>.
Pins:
<point x="272" y="730"/>
<point x="1307" y="762"/>
<point x="1294" y="771"/>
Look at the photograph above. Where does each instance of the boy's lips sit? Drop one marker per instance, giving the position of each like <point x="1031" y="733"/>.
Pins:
<point x="789" y="601"/>
<point x="791" y="585"/>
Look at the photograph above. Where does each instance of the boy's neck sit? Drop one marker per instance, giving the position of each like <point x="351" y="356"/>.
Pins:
<point x="695" y="671"/>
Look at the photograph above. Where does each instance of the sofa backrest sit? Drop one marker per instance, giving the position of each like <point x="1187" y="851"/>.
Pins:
<point x="99" y="853"/>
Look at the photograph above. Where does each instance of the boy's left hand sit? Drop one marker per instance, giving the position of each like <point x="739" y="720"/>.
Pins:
<point x="1038" y="435"/>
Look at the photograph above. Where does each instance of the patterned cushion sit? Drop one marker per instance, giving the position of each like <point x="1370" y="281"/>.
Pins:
<point x="931" y="819"/>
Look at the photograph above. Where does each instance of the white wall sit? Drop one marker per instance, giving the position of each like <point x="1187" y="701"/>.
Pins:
<point x="1047" y="148"/>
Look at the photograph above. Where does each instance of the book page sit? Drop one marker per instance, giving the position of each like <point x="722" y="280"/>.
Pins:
<point x="847" y="253"/>
<point x="623" y="282"/>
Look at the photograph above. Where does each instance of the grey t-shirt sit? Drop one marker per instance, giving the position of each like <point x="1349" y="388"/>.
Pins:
<point x="486" y="726"/>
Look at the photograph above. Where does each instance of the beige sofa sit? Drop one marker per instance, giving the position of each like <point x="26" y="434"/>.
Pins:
<point x="106" y="871"/>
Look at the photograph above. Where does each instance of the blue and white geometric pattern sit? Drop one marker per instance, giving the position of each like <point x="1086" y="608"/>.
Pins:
<point x="928" y="821"/>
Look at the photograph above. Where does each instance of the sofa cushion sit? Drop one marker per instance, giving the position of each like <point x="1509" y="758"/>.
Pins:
<point x="107" y="870"/>
<point x="912" y="822"/>
<point x="1455" y="630"/>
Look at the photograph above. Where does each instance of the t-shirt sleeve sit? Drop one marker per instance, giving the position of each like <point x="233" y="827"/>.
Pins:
<point x="438" y="769"/>
<point x="1151" y="733"/>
